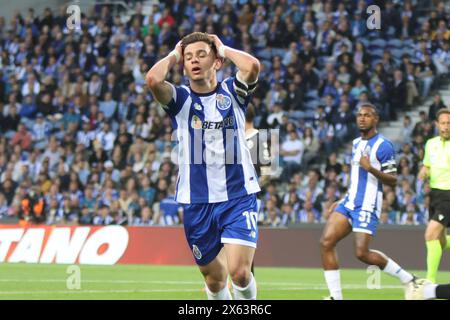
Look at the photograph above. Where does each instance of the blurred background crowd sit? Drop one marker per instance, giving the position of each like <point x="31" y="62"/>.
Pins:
<point x="83" y="142"/>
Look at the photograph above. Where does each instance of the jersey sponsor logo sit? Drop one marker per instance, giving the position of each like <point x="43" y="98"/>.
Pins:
<point x="223" y="102"/>
<point x="225" y="123"/>
<point x="196" y="251"/>
<point x="441" y="217"/>
<point x="196" y="123"/>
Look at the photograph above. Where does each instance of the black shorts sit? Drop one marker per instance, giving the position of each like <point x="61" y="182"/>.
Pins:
<point x="440" y="206"/>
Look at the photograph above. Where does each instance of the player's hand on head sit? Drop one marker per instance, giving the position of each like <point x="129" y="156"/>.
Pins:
<point x="179" y="49"/>
<point x="217" y="42"/>
<point x="364" y="162"/>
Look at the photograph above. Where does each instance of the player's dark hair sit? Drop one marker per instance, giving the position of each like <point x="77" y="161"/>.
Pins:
<point x="197" y="37"/>
<point x="442" y="111"/>
<point x="369" y="105"/>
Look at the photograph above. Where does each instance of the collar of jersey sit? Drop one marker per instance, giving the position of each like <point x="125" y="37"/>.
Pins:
<point x="206" y="93"/>
<point x="371" y="137"/>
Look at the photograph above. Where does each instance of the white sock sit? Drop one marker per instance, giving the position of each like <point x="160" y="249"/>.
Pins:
<point x="333" y="279"/>
<point x="247" y="293"/>
<point x="223" y="294"/>
<point x="429" y="291"/>
<point x="395" y="270"/>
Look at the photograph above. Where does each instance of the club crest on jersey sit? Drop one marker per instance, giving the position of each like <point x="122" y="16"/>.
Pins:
<point x="196" y="123"/>
<point x="196" y="251"/>
<point x="223" y="102"/>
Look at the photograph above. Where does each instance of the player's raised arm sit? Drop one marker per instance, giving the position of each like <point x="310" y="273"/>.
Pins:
<point x="156" y="76"/>
<point x="247" y="64"/>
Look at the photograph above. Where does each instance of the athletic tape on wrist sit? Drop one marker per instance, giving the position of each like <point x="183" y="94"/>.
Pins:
<point x="221" y="51"/>
<point x="176" y="54"/>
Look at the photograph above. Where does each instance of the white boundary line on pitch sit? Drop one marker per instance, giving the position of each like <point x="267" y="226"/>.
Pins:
<point x="351" y="287"/>
<point x="290" y="284"/>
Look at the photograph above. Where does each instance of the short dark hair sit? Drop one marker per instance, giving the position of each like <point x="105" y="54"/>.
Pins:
<point x="369" y="105"/>
<point x="196" y="37"/>
<point x="442" y="111"/>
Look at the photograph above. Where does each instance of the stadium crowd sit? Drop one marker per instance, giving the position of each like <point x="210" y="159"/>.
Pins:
<point x="82" y="141"/>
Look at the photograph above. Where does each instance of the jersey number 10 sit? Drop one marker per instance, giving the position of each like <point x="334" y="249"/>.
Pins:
<point x="251" y="219"/>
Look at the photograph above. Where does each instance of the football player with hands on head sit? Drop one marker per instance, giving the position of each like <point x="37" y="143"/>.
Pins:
<point x="216" y="182"/>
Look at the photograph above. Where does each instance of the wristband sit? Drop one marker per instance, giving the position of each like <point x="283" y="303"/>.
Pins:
<point x="221" y="51"/>
<point x="176" y="54"/>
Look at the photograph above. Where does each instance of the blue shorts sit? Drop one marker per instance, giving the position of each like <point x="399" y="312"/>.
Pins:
<point x="208" y="226"/>
<point x="360" y="220"/>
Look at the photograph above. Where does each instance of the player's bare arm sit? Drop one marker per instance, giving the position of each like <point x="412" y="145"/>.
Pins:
<point x="156" y="76"/>
<point x="247" y="64"/>
<point x="389" y="179"/>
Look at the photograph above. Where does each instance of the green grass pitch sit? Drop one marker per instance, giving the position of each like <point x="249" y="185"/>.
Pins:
<point x="38" y="281"/>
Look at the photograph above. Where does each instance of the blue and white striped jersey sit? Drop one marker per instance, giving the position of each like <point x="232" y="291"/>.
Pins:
<point x="366" y="191"/>
<point x="214" y="161"/>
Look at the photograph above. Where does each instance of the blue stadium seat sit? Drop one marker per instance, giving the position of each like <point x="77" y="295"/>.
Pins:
<point x="373" y="35"/>
<point x="376" y="53"/>
<point x="408" y="42"/>
<point x="397" y="53"/>
<point x="395" y="43"/>
<point x="380" y="43"/>
<point x="364" y="41"/>
<point x="312" y="104"/>
<point x="313" y="94"/>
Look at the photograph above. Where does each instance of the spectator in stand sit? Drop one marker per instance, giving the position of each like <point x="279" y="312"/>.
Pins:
<point x="435" y="107"/>
<point x="292" y="151"/>
<point x="22" y="138"/>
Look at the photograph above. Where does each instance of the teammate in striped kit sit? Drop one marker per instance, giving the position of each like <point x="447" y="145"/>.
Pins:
<point x="373" y="164"/>
<point x="217" y="181"/>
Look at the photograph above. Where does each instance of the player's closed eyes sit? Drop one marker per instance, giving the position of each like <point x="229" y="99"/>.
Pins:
<point x="202" y="54"/>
